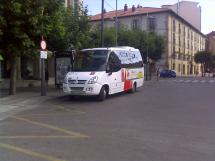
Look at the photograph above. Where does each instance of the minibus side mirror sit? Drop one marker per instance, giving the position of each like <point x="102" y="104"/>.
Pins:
<point x="109" y="69"/>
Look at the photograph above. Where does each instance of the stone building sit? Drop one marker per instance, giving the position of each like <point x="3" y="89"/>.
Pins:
<point x="182" y="40"/>
<point x="190" y="11"/>
<point x="210" y="45"/>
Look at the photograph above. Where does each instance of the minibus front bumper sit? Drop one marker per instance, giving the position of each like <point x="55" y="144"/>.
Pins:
<point x="88" y="89"/>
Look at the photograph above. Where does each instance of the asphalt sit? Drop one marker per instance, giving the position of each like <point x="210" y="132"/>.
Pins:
<point x="166" y="120"/>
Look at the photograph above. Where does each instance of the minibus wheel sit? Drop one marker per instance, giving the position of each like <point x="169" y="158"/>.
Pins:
<point x="134" y="88"/>
<point x="103" y="94"/>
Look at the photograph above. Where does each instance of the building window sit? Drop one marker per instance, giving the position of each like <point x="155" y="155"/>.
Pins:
<point x="173" y="38"/>
<point x="179" y="68"/>
<point x="184" y="32"/>
<point x="173" y="66"/>
<point x="174" y="50"/>
<point x="179" y="29"/>
<point x="188" y="34"/>
<point x="151" y="23"/>
<point x="183" y="68"/>
<point x="173" y="25"/>
<point x="135" y="24"/>
<point x="179" y="41"/>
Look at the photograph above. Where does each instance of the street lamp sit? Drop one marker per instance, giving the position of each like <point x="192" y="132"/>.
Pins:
<point x="102" y="24"/>
<point x="116" y="25"/>
<point x="147" y="48"/>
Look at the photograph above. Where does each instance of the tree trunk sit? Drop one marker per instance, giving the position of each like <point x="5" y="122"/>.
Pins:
<point x="13" y="61"/>
<point x="202" y="70"/>
<point x="18" y="71"/>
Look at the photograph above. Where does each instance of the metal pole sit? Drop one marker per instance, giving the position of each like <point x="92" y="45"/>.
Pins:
<point x="43" y="84"/>
<point x="102" y="24"/>
<point x="116" y="23"/>
<point x="147" y="49"/>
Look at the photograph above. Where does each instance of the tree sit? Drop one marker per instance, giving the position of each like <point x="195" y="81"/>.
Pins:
<point x="78" y="34"/>
<point x="203" y="58"/>
<point x="22" y="27"/>
<point x="139" y="39"/>
<point x="150" y="44"/>
<point x="109" y="37"/>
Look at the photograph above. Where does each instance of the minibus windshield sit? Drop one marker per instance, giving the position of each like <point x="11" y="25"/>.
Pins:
<point x="90" y="60"/>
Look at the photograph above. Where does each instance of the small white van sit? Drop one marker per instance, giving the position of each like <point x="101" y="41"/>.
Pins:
<point x="105" y="71"/>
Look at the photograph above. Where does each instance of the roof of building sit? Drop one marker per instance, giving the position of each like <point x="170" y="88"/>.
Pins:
<point x="140" y="11"/>
<point x="129" y="12"/>
<point x="211" y="33"/>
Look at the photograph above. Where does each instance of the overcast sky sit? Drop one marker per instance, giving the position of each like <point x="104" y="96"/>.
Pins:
<point x="208" y="8"/>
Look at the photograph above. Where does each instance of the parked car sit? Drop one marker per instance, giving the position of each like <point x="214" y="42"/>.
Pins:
<point x="166" y="73"/>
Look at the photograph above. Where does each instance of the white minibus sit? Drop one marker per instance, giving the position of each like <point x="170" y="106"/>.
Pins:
<point x="105" y="71"/>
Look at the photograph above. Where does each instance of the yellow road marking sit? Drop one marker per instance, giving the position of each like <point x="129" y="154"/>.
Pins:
<point x="37" y="137"/>
<point x="75" y="134"/>
<point x="53" y="114"/>
<point x="29" y="152"/>
<point x="62" y="107"/>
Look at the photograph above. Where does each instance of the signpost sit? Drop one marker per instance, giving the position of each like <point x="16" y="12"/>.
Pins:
<point x="43" y="56"/>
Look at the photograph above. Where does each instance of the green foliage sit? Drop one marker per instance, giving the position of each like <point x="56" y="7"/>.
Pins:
<point x="206" y="59"/>
<point x="202" y="57"/>
<point x="135" y="38"/>
<point x="77" y="29"/>
<point x="1" y="58"/>
<point x="23" y="23"/>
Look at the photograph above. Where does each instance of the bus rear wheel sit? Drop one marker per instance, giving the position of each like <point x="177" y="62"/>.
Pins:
<point x="134" y="88"/>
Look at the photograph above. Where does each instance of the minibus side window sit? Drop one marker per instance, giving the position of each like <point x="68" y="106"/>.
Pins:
<point x="114" y="62"/>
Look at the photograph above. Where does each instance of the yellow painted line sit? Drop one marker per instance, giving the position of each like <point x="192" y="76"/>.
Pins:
<point x="37" y="137"/>
<point x="53" y="114"/>
<point x="75" y="134"/>
<point x="29" y="152"/>
<point x="63" y="108"/>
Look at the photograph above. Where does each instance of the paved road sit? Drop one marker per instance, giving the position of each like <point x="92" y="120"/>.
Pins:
<point x="163" y="121"/>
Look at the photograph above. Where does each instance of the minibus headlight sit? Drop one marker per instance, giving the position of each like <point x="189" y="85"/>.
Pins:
<point x="93" y="80"/>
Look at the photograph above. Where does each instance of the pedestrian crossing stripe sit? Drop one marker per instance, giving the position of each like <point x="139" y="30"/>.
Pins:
<point x="189" y="81"/>
<point x="211" y="81"/>
<point x="195" y="81"/>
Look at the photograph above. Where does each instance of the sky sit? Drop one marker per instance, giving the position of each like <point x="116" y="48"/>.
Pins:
<point x="208" y="8"/>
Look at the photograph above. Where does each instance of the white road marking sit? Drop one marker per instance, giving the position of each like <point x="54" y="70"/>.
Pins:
<point x="187" y="81"/>
<point x="211" y="81"/>
<point x="203" y="81"/>
<point x="195" y="81"/>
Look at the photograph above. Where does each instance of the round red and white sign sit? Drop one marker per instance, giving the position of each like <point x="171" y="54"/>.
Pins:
<point x="43" y="45"/>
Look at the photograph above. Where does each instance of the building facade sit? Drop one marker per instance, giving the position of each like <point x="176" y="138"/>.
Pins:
<point x="190" y="11"/>
<point x="73" y="3"/>
<point x="182" y="39"/>
<point x="210" y="45"/>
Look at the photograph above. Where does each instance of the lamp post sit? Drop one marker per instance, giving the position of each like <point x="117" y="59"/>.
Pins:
<point x="147" y="48"/>
<point x="102" y="24"/>
<point x="116" y="24"/>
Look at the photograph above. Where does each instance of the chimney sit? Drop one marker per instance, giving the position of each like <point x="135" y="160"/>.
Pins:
<point x="133" y="8"/>
<point x="139" y="6"/>
<point x="125" y="7"/>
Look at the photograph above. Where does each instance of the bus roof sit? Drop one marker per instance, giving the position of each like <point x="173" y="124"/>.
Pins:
<point x="114" y="48"/>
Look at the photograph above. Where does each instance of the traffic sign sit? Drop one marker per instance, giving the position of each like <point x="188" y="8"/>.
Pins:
<point x="43" y="54"/>
<point x="43" y="45"/>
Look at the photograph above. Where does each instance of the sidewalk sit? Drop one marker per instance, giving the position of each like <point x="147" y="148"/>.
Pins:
<point x="25" y="98"/>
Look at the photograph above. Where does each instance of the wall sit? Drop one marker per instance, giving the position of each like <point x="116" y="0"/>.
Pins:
<point x="190" y="11"/>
